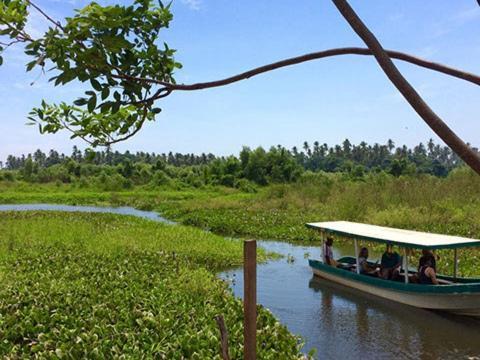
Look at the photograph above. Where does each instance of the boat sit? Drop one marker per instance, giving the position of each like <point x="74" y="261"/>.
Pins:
<point x="453" y="294"/>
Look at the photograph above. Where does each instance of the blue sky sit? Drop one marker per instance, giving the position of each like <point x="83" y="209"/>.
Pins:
<point x="326" y="100"/>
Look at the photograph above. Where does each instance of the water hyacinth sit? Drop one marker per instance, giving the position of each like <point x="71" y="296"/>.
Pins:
<point x="100" y="285"/>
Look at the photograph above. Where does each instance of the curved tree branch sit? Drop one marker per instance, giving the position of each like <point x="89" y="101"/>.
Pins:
<point x="323" y="54"/>
<point x="409" y="93"/>
<point x="460" y="74"/>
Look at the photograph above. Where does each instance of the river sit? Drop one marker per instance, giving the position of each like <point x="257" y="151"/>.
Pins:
<point x="339" y="322"/>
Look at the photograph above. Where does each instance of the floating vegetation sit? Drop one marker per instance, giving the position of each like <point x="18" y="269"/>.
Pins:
<point x="100" y="285"/>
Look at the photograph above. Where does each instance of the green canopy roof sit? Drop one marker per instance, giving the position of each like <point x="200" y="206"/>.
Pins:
<point x="404" y="238"/>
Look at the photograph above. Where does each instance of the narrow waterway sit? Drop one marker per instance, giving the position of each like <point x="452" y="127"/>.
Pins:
<point x="338" y="321"/>
<point x="122" y="210"/>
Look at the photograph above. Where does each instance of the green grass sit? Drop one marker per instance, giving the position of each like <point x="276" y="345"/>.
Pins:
<point x="99" y="285"/>
<point x="443" y="205"/>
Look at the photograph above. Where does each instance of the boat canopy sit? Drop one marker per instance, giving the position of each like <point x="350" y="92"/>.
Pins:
<point x="404" y="238"/>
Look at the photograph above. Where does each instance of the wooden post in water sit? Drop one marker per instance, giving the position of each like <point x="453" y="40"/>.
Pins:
<point x="250" y="299"/>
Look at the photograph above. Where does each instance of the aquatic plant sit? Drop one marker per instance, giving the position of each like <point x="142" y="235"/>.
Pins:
<point x="100" y="285"/>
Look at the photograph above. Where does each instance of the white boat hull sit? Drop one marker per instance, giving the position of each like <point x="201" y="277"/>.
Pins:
<point x="458" y="303"/>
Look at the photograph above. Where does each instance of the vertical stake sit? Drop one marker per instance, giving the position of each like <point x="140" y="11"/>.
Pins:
<point x="250" y="299"/>
<point x="223" y="337"/>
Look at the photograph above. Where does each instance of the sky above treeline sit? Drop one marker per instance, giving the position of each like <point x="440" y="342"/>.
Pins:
<point x="326" y="100"/>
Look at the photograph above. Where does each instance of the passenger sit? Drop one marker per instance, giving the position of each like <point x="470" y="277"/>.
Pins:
<point x="427" y="274"/>
<point x="365" y="267"/>
<point x="390" y="264"/>
<point x="328" y="253"/>
<point x="427" y="254"/>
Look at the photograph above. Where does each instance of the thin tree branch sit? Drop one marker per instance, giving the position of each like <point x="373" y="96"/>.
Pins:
<point x="22" y="35"/>
<point x="45" y="15"/>
<point x="223" y="337"/>
<point x="128" y="136"/>
<point x="475" y="79"/>
<point x="7" y="45"/>
<point x="408" y="91"/>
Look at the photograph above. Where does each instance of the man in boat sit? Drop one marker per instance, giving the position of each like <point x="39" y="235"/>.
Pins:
<point x="328" y="252"/>
<point x="365" y="267"/>
<point x="427" y="274"/>
<point x="390" y="264"/>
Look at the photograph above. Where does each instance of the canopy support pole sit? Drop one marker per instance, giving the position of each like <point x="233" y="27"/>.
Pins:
<point x="405" y="264"/>
<point x="356" y="255"/>
<point x="322" y="254"/>
<point x="455" y="263"/>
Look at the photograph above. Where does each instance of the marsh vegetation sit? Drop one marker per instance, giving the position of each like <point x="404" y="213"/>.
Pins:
<point x="100" y="285"/>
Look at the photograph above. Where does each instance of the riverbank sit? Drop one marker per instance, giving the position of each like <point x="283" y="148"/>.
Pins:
<point x="92" y="285"/>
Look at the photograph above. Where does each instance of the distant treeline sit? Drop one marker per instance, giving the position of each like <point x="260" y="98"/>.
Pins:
<point x="256" y="166"/>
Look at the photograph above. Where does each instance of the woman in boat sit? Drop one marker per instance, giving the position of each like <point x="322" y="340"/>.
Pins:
<point x="427" y="254"/>
<point x="328" y="253"/>
<point x="390" y="264"/>
<point x="427" y="274"/>
<point x="365" y="267"/>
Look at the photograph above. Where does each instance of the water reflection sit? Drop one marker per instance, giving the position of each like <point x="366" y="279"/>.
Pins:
<point x="383" y="328"/>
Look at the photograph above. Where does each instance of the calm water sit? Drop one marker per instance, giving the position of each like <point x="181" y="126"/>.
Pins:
<point x="151" y="215"/>
<point x="339" y="322"/>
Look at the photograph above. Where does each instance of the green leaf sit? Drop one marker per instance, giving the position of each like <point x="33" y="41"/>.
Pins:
<point x="31" y="65"/>
<point x="92" y="104"/>
<point x="80" y="102"/>
<point x="96" y="85"/>
<point x="105" y="93"/>
<point x="115" y="107"/>
<point x="105" y="107"/>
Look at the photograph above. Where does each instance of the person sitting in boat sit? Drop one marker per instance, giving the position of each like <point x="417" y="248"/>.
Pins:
<point x="328" y="252"/>
<point x="427" y="254"/>
<point x="427" y="274"/>
<point x="390" y="264"/>
<point x="365" y="267"/>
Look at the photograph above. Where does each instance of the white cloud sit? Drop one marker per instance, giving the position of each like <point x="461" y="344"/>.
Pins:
<point x="193" y="4"/>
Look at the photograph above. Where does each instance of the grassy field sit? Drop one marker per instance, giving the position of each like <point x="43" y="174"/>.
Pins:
<point x="448" y="205"/>
<point x="100" y="285"/>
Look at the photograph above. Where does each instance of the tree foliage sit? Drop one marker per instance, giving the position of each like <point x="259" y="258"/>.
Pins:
<point x="253" y="167"/>
<point x="108" y="48"/>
